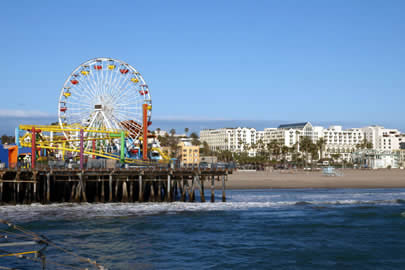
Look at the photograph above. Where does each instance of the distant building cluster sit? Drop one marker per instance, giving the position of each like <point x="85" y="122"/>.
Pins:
<point x="368" y="143"/>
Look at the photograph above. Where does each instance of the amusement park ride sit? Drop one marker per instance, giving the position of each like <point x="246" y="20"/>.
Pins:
<point x="104" y="111"/>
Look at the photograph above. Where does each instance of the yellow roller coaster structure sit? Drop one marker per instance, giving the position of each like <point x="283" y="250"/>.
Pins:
<point x="55" y="139"/>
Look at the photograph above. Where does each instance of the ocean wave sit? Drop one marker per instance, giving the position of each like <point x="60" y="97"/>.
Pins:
<point x="87" y="210"/>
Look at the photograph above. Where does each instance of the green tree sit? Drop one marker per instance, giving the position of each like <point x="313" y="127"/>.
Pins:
<point x="194" y="135"/>
<point x="225" y="156"/>
<point x="284" y="151"/>
<point x="186" y="130"/>
<point x="164" y="140"/>
<point x="306" y="145"/>
<point x="205" y="150"/>
<point x="274" y="149"/>
<point x="195" y="139"/>
<point x="335" y="157"/>
<point x="172" y="132"/>
<point x="364" y="144"/>
<point x="321" y="143"/>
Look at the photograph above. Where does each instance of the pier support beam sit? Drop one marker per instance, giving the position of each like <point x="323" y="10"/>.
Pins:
<point x="152" y="192"/>
<point x="202" y="191"/>
<point x="48" y="188"/>
<point x="82" y="185"/>
<point x="140" y="195"/>
<point x="116" y="190"/>
<point x="131" y="191"/>
<point x="102" y="197"/>
<point x="159" y="192"/>
<point x="124" y="191"/>
<point x="110" y="198"/>
<point x="72" y="193"/>
<point x="1" y="191"/>
<point x="169" y="190"/>
<point x="182" y="190"/>
<point x="35" y="196"/>
<point x="212" y="188"/>
<point x="223" y="189"/>
<point x="191" y="195"/>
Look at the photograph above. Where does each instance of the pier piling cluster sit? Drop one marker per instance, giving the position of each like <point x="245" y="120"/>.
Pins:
<point x="26" y="186"/>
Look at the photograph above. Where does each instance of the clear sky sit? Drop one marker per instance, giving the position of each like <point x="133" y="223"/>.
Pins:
<point x="263" y="60"/>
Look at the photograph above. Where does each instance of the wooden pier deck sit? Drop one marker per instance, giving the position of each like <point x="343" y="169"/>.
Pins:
<point x="25" y="186"/>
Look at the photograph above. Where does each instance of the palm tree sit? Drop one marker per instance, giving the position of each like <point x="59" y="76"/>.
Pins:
<point x="158" y="131"/>
<point x="306" y="145"/>
<point x="321" y="145"/>
<point x="274" y="148"/>
<point x="284" y="151"/>
<point x="335" y="157"/>
<point x="172" y="132"/>
<point x="364" y="145"/>
<point x="186" y="131"/>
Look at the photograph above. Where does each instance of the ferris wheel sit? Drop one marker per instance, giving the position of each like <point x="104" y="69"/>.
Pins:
<point x="106" y="94"/>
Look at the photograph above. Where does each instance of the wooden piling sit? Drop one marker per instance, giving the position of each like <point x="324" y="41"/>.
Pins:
<point x="18" y="193"/>
<point x="77" y="192"/>
<point x="131" y="191"/>
<point x="72" y="193"/>
<point x="110" y="198"/>
<point x="124" y="192"/>
<point x="140" y="195"/>
<point x="116" y="190"/>
<point x="159" y="191"/>
<point x="48" y="188"/>
<point x="176" y="189"/>
<point x="59" y="185"/>
<point x="96" y="198"/>
<point x="223" y="189"/>
<point x="34" y="186"/>
<point x="83" y="187"/>
<point x="1" y="190"/>
<point x="182" y="190"/>
<point x="212" y="188"/>
<point x="191" y="195"/>
<point x="152" y="192"/>
<point x="169" y="192"/>
<point x="102" y="197"/>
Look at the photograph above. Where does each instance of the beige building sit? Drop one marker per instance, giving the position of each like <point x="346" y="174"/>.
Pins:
<point x="189" y="154"/>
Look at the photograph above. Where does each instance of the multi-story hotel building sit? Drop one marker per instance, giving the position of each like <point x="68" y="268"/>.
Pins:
<point x="383" y="138"/>
<point x="232" y="139"/>
<point x="342" y="142"/>
<point x="337" y="140"/>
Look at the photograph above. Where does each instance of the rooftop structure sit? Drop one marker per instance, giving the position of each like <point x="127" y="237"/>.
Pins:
<point x="294" y="125"/>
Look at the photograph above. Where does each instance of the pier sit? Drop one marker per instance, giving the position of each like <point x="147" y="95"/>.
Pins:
<point x="26" y="186"/>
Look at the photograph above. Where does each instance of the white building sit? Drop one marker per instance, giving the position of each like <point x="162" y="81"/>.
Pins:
<point x="217" y="139"/>
<point x="338" y="142"/>
<point x="287" y="137"/>
<point x="383" y="138"/>
<point x="342" y="142"/>
<point x="232" y="139"/>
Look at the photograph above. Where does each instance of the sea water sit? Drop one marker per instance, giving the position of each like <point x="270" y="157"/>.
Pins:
<point x="254" y="229"/>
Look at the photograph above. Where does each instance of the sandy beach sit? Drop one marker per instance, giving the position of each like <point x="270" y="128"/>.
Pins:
<point x="387" y="178"/>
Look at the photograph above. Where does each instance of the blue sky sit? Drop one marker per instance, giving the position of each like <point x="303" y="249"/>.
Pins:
<point x="210" y="60"/>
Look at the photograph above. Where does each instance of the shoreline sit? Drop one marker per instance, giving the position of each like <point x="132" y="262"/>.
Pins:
<point x="299" y="179"/>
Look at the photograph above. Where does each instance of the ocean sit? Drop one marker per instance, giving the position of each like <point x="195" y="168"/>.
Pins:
<point x="254" y="229"/>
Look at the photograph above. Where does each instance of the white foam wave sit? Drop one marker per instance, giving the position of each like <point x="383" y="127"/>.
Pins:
<point x="86" y="210"/>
